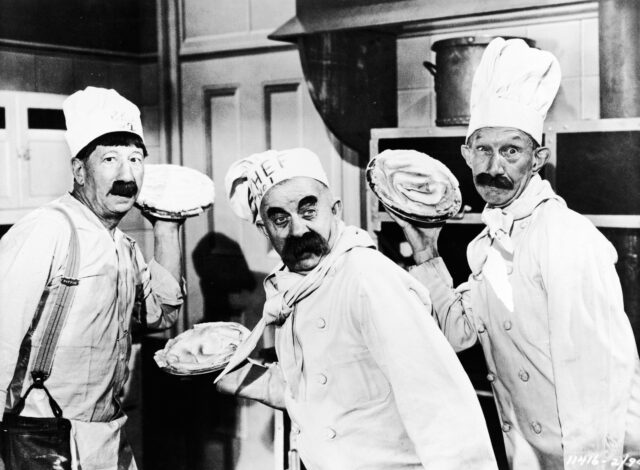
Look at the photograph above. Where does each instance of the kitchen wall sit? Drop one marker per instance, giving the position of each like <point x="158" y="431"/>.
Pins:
<point x="571" y="33"/>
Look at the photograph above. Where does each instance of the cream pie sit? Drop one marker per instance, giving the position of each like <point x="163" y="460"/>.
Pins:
<point x="204" y="348"/>
<point x="414" y="186"/>
<point x="174" y="191"/>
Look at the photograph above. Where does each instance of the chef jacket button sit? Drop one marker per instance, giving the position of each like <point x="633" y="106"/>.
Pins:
<point x="537" y="428"/>
<point x="507" y="325"/>
<point x="330" y="433"/>
<point x="524" y="224"/>
<point x="506" y="427"/>
<point x="510" y="270"/>
<point x="322" y="379"/>
<point x="491" y="377"/>
<point x="481" y="329"/>
<point x="477" y="277"/>
<point x="321" y="323"/>
<point x="524" y="375"/>
<point x="295" y="429"/>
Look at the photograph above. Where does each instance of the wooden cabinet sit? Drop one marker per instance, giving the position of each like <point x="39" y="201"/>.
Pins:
<point x="34" y="157"/>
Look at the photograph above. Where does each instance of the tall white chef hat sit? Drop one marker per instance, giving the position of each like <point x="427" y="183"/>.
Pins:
<point x="94" y="112"/>
<point x="514" y="86"/>
<point x="249" y="179"/>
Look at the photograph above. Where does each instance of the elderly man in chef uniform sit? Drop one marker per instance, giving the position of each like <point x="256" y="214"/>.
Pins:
<point x="105" y="137"/>
<point x="544" y="299"/>
<point x="368" y="380"/>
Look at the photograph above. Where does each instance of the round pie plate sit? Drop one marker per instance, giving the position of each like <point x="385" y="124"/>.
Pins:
<point x="163" y="215"/>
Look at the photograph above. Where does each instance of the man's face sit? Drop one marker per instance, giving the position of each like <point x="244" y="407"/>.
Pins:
<point x="110" y="179"/>
<point x="300" y="218"/>
<point x="502" y="161"/>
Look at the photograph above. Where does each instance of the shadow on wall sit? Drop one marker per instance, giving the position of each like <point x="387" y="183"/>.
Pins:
<point x="188" y="425"/>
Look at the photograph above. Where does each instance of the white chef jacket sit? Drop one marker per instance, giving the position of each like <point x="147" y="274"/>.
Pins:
<point x="380" y="387"/>
<point x="90" y="364"/>
<point x="563" y="364"/>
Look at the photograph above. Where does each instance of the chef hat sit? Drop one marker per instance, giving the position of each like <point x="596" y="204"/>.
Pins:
<point x="249" y="179"/>
<point x="94" y="112"/>
<point x="513" y="86"/>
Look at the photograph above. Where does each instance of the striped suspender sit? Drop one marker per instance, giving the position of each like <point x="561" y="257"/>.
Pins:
<point x="60" y="309"/>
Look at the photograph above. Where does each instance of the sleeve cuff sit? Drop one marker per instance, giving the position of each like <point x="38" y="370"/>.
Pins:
<point x="164" y="286"/>
<point x="435" y="276"/>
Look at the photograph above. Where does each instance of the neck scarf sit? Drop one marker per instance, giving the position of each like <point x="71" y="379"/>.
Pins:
<point x="284" y="289"/>
<point x="494" y="259"/>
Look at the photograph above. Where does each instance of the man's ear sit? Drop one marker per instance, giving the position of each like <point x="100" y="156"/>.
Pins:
<point x="336" y="208"/>
<point x="466" y="154"/>
<point x="79" y="171"/>
<point x="541" y="156"/>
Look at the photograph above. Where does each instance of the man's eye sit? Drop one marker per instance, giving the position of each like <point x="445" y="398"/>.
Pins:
<point x="512" y="151"/>
<point x="309" y="213"/>
<point x="135" y="159"/>
<point x="109" y="159"/>
<point x="281" y="220"/>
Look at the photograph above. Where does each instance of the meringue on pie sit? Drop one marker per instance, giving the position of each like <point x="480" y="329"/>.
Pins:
<point x="174" y="191"/>
<point x="414" y="185"/>
<point x="204" y="348"/>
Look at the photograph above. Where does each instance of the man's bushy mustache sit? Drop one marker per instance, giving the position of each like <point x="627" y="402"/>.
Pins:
<point x="311" y="243"/>
<point x="500" y="181"/>
<point x="124" y="188"/>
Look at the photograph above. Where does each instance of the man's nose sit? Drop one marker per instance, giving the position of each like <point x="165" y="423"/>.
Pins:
<point x="494" y="165"/>
<point x="298" y="226"/>
<point x="125" y="172"/>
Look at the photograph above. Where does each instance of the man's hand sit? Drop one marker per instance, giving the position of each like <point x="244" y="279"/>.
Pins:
<point x="423" y="240"/>
<point x="255" y="382"/>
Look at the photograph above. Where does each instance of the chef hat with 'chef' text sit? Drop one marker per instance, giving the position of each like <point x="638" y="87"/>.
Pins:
<point x="94" y="112"/>
<point x="514" y="86"/>
<point x="249" y="179"/>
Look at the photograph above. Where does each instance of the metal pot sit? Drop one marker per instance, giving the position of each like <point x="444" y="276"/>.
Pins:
<point x="456" y="63"/>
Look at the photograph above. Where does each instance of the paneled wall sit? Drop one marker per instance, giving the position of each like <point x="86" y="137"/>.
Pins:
<point x="571" y="33"/>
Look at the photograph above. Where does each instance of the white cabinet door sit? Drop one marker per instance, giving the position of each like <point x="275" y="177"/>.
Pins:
<point x="9" y="181"/>
<point x="45" y="166"/>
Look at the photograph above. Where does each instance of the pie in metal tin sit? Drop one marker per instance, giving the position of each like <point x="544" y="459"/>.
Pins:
<point x="414" y="186"/>
<point x="174" y="192"/>
<point x="207" y="347"/>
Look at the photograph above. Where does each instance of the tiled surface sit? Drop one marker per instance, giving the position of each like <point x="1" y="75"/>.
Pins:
<point x="590" y="98"/>
<point x="412" y="52"/>
<point x="574" y="41"/>
<point x="566" y="106"/>
<point x="590" y="65"/>
<point x="563" y="39"/>
<point x="414" y="108"/>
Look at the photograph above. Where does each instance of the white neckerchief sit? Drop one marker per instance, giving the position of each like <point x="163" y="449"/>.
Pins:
<point x="493" y="260"/>
<point x="284" y="290"/>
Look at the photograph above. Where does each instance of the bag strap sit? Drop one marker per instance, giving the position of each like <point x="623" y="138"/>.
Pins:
<point x="61" y="305"/>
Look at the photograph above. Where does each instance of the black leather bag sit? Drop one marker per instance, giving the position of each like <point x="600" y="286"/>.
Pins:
<point x="31" y="443"/>
<point x="28" y="443"/>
